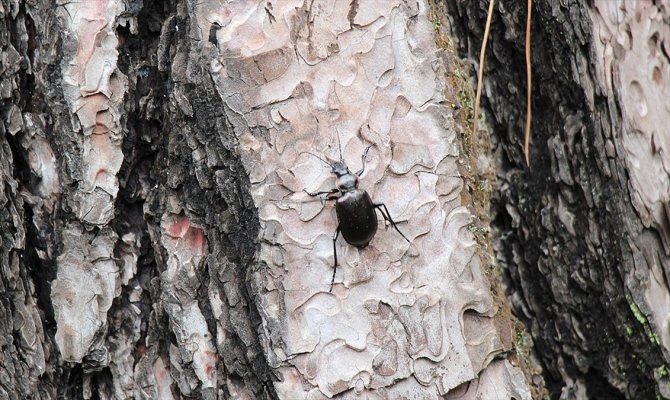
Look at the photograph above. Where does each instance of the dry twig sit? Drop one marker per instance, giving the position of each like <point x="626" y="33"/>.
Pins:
<point x="482" y="56"/>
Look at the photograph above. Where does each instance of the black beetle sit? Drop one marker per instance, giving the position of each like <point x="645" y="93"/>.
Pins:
<point x="356" y="216"/>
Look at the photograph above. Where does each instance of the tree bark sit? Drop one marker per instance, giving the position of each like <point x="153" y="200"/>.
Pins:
<point x="583" y="234"/>
<point x="156" y="238"/>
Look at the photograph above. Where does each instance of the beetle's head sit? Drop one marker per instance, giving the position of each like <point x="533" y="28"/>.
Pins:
<point x="340" y="169"/>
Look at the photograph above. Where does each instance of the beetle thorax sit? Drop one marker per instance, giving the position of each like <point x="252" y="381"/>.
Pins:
<point x="347" y="182"/>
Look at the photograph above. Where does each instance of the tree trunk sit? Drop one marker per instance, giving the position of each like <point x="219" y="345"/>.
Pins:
<point x="584" y="234"/>
<point x="157" y="240"/>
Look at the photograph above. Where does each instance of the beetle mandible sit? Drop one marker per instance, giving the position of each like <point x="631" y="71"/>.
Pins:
<point x="356" y="212"/>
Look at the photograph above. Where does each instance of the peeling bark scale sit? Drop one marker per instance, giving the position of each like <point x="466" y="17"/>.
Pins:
<point x="156" y="240"/>
<point x="585" y="234"/>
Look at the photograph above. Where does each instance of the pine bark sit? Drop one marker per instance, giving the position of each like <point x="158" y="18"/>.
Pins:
<point x="156" y="238"/>
<point x="583" y="233"/>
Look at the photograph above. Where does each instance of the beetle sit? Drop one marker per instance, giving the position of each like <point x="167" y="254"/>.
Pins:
<point x="356" y="212"/>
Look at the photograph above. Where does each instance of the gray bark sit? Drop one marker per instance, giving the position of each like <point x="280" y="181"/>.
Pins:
<point x="156" y="240"/>
<point x="583" y="234"/>
<point x="98" y="191"/>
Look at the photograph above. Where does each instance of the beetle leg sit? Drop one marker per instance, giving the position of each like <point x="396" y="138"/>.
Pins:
<point x="363" y="158"/>
<point x="337" y="233"/>
<point x="387" y="216"/>
<point x="331" y="191"/>
<point x="331" y="195"/>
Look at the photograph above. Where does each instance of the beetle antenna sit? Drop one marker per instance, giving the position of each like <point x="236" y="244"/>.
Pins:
<point x="339" y="145"/>
<point x="322" y="160"/>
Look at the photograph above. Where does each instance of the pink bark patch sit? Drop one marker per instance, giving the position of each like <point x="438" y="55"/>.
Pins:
<point x="93" y="21"/>
<point x="193" y="237"/>
<point x="178" y="227"/>
<point x="209" y="363"/>
<point x="100" y="129"/>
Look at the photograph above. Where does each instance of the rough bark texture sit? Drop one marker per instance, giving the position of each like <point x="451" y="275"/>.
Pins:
<point x="134" y="246"/>
<point x="584" y="234"/>
<point x="403" y="319"/>
<point x="155" y="238"/>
